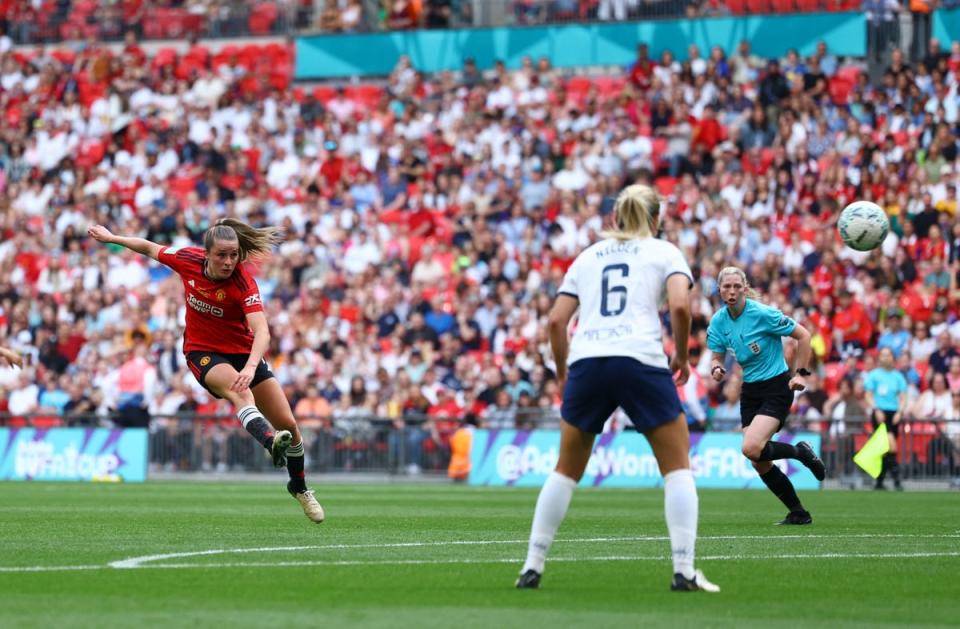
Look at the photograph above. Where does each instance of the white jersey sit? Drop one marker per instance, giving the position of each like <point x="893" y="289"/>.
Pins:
<point x="619" y="284"/>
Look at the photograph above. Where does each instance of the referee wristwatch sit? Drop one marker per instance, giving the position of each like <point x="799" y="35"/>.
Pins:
<point x="803" y="372"/>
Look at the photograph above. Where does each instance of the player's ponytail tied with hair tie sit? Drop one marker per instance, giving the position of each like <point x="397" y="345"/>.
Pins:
<point x="636" y="213"/>
<point x="254" y="242"/>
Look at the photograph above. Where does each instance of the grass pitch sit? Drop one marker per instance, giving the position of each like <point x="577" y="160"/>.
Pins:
<point x="391" y="555"/>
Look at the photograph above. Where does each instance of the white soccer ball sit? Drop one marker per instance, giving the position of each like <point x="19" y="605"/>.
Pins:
<point x="863" y="225"/>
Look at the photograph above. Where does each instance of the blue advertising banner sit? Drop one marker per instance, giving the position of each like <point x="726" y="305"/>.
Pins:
<point x="575" y="45"/>
<point x="624" y="459"/>
<point x="82" y="454"/>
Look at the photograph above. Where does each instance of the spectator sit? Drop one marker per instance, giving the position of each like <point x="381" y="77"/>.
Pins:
<point x="936" y="402"/>
<point x="944" y="354"/>
<point x="894" y="336"/>
<point x="845" y="405"/>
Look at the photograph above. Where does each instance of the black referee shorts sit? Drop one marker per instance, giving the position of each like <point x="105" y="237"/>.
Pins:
<point x="771" y="397"/>
<point x="893" y="429"/>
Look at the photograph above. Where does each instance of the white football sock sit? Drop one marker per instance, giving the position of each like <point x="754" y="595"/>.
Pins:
<point x="551" y="508"/>
<point x="680" y="504"/>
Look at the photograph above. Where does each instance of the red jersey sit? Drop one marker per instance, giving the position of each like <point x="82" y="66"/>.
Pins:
<point x="216" y="310"/>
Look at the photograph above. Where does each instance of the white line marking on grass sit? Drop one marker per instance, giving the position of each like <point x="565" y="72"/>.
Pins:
<point x="517" y="560"/>
<point x="136" y="562"/>
<point x="147" y="561"/>
<point x="48" y="568"/>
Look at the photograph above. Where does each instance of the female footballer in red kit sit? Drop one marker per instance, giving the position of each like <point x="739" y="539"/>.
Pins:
<point x="226" y="336"/>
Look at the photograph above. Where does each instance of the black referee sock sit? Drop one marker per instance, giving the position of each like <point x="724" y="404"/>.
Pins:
<point x="892" y="466"/>
<point x="775" y="450"/>
<point x="257" y="425"/>
<point x="777" y="482"/>
<point x="298" y="482"/>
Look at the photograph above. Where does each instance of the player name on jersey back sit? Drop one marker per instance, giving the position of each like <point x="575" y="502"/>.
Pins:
<point x="619" y="285"/>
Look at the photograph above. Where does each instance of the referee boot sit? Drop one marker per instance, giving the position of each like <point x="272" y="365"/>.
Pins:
<point x="809" y="458"/>
<point x="797" y="517"/>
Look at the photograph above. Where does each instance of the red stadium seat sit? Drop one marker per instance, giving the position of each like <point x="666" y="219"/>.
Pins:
<point x="783" y="6"/>
<point x="199" y="55"/>
<point x="324" y="93"/>
<point x="46" y="422"/>
<point x="164" y="57"/>
<point x="665" y="185"/>
<point x="280" y="79"/>
<point x="758" y="6"/>
<point x="609" y="86"/>
<point x="578" y="85"/>
<point x="249" y="55"/>
<point x="365" y="95"/>
<point x="809" y="6"/>
<point x="64" y="55"/>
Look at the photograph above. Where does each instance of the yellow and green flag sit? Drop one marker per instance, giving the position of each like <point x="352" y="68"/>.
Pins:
<point x="870" y="457"/>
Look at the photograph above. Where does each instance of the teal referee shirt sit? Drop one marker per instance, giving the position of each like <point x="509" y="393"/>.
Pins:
<point x="753" y="337"/>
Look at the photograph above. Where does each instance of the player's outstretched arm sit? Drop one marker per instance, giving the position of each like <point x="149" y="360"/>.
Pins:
<point x="141" y="246"/>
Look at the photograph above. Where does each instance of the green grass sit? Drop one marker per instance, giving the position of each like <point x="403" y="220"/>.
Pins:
<point x="770" y="575"/>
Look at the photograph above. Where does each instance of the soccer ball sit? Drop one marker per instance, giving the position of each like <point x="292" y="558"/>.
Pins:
<point x="863" y="225"/>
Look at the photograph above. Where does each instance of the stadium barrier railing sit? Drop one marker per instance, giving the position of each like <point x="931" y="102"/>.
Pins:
<point x="187" y="442"/>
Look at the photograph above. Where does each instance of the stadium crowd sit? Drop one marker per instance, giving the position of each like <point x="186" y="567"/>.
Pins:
<point x="429" y="222"/>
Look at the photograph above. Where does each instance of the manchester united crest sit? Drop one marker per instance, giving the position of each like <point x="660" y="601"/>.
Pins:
<point x="220" y="295"/>
<point x="204" y="361"/>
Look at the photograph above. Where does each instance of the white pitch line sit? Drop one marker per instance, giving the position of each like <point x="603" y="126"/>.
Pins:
<point x="48" y="568"/>
<point x="136" y="562"/>
<point x="422" y="562"/>
<point x="456" y="561"/>
<point x="144" y="561"/>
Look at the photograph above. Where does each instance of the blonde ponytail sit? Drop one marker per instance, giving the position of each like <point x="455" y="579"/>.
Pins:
<point x="636" y="210"/>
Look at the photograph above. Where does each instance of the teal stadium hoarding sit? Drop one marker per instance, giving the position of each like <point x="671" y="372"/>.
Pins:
<point x="73" y="454"/>
<point x="624" y="459"/>
<point x="946" y="26"/>
<point x="574" y="45"/>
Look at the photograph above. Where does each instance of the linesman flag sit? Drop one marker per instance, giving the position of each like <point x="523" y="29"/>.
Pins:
<point x="870" y="457"/>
